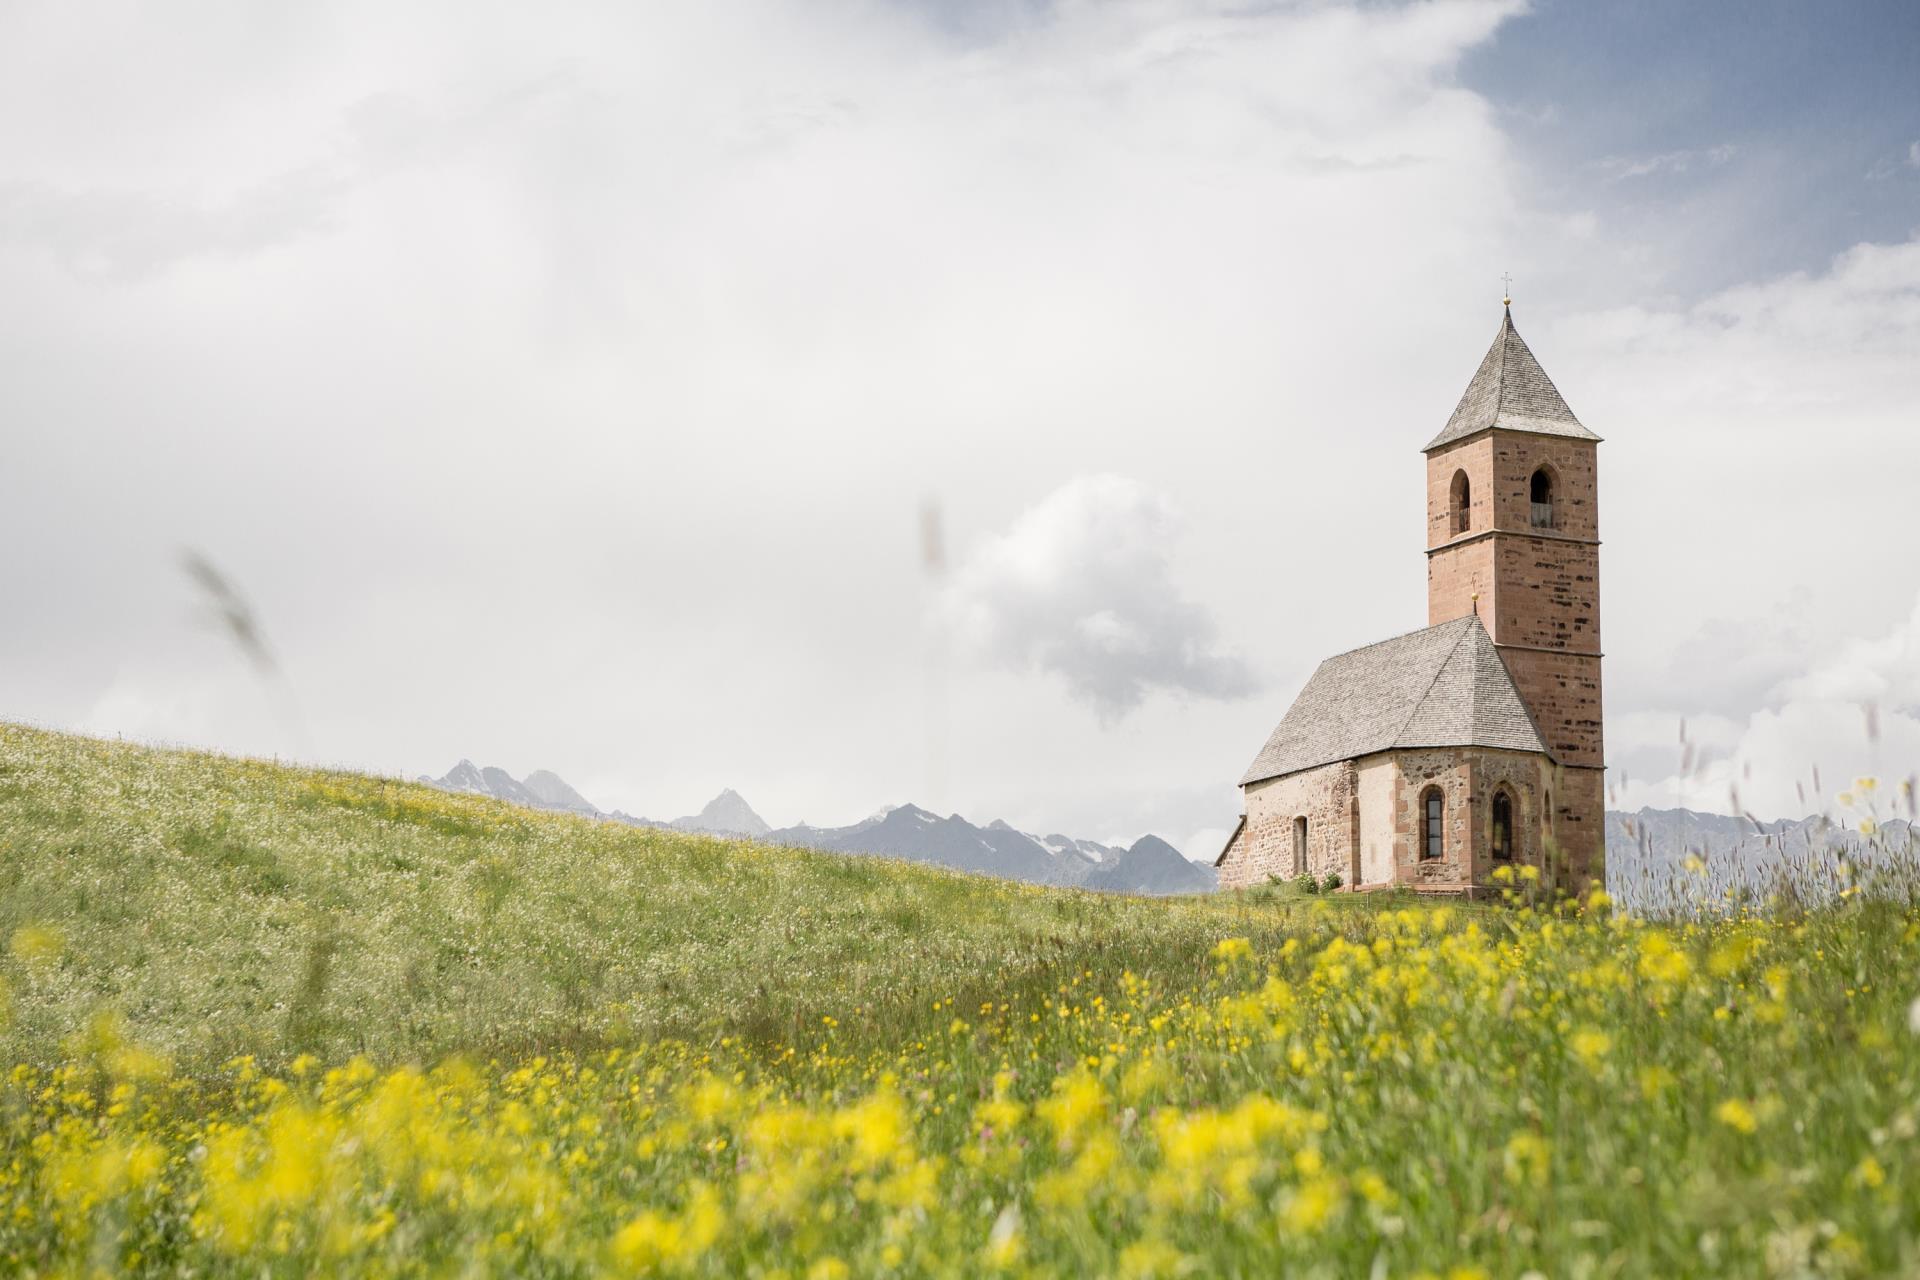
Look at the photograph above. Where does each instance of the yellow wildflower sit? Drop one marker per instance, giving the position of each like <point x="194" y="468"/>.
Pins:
<point x="1231" y="951"/>
<point x="1526" y="1159"/>
<point x="1736" y="1115"/>
<point x="1313" y="1203"/>
<point x="1660" y="960"/>
<point x="1591" y="1046"/>
<point x="1078" y="1102"/>
<point x="1655" y="1081"/>
<point x="37" y="944"/>
<point x="1150" y="1259"/>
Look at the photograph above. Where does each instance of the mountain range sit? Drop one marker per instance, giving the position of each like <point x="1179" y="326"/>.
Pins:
<point x="1655" y="857"/>
<point x="1149" y="866"/>
<point x="1666" y="857"/>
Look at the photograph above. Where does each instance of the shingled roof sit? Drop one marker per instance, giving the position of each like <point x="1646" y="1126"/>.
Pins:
<point x="1446" y="686"/>
<point x="1510" y="390"/>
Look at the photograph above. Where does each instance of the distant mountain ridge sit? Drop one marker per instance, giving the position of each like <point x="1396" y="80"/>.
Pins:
<point x="1150" y="866"/>
<point x="1648" y="851"/>
<point x="727" y="813"/>
<point x="1659" y="857"/>
<point x="908" y="832"/>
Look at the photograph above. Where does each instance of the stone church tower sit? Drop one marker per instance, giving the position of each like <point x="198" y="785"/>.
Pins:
<point x="1433" y="759"/>
<point x="1513" y="533"/>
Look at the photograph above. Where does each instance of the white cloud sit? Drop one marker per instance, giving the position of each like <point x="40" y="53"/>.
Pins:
<point x="1204" y="845"/>
<point x="1854" y="712"/>
<point x="1621" y="168"/>
<point x="1081" y="588"/>
<point x="128" y="233"/>
<point x="563" y="386"/>
<point x="1760" y="433"/>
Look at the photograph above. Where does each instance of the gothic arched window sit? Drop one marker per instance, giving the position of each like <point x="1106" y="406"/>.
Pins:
<point x="1541" y="492"/>
<point x="1299" y="846"/>
<point x="1461" y="506"/>
<point x="1502" y="843"/>
<point x="1433" y="823"/>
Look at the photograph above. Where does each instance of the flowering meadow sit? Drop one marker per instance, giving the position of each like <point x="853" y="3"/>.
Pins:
<point x="275" y="1022"/>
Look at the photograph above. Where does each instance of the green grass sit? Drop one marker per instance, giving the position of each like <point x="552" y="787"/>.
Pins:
<point x="637" y="1052"/>
<point x="229" y="907"/>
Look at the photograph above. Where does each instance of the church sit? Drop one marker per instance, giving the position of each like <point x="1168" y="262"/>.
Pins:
<point x="1433" y="759"/>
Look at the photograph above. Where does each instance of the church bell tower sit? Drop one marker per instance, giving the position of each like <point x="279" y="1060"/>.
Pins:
<point x="1513" y="534"/>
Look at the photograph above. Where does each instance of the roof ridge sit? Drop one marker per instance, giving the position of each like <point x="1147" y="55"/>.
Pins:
<point x="1438" y="667"/>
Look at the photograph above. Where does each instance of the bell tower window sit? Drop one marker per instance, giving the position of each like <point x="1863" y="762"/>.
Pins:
<point x="1461" y="505"/>
<point x="1541" y="491"/>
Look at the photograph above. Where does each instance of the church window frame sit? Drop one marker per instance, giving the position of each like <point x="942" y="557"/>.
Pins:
<point x="1540" y="490"/>
<point x="1300" y="845"/>
<point x="1500" y="828"/>
<point x="1433" y="824"/>
<point x="1460" y="502"/>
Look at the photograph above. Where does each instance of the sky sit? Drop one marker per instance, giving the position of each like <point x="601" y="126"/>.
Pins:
<point x="999" y="407"/>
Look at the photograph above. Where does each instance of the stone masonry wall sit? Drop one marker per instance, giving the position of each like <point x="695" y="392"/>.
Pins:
<point x="1562" y="690"/>
<point x="1448" y="769"/>
<point x="1325" y="797"/>
<point x="1468" y="778"/>
<point x="1536" y="587"/>
<point x="1378" y="779"/>
<point x="1477" y="462"/>
<point x="1500" y="467"/>
<point x="1552" y="593"/>
<point x="1574" y="467"/>
<point x="1521" y="776"/>
<point x="1579" y="825"/>
<point x="1555" y="822"/>
<point x="1539" y="598"/>
<point x="1455" y="576"/>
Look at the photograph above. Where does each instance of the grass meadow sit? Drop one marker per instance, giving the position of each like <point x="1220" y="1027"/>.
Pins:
<point x="262" y="1021"/>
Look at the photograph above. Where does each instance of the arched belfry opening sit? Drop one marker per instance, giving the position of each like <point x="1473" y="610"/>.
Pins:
<point x="1540" y="490"/>
<point x="1461" y="504"/>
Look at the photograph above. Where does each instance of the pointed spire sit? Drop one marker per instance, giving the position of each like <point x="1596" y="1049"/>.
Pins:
<point x="1511" y="391"/>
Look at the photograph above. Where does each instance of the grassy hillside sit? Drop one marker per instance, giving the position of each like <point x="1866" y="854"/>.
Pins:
<point x="274" y="1022"/>
<point x="229" y="906"/>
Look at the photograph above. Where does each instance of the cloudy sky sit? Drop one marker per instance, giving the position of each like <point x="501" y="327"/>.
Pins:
<point x="1001" y="407"/>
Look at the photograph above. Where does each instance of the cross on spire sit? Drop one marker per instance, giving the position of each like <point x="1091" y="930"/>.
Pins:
<point x="1506" y="288"/>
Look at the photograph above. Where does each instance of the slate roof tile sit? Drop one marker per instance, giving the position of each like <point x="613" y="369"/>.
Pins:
<point x="1444" y="686"/>
<point x="1510" y="390"/>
